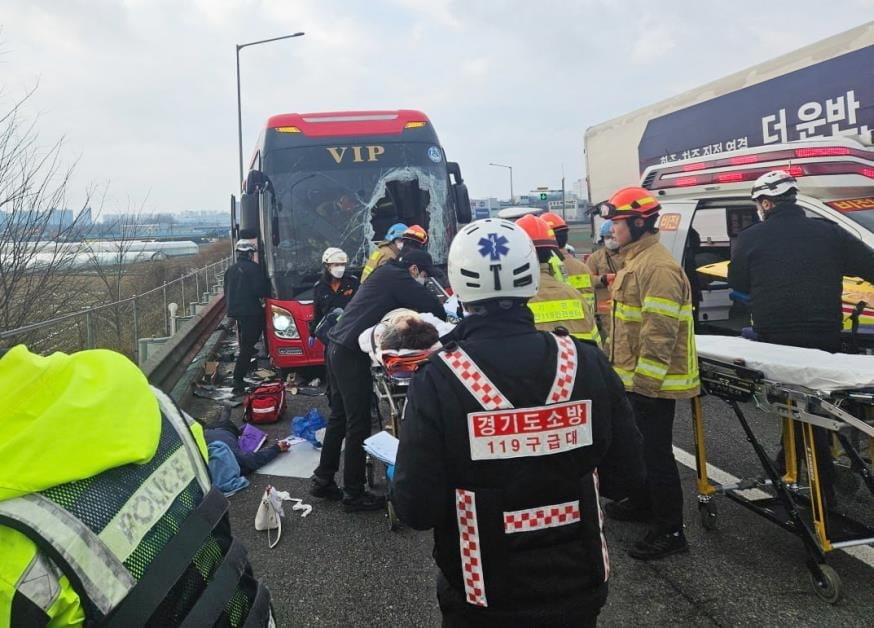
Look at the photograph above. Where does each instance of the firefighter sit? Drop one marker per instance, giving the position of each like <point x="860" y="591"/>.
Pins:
<point x="792" y="267"/>
<point x="106" y="505"/>
<point x="652" y="348"/>
<point x="245" y="287"/>
<point x="556" y="303"/>
<point x="386" y="250"/>
<point x="332" y="292"/>
<point x="400" y="283"/>
<point x="579" y="275"/>
<point x="483" y="488"/>
<point x="415" y="237"/>
<point x="604" y="263"/>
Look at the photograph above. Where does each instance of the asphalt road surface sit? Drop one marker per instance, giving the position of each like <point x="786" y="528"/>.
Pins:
<point x="337" y="569"/>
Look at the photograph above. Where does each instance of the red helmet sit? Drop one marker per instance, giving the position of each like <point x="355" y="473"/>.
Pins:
<point x="417" y="234"/>
<point x="630" y="203"/>
<point x="539" y="231"/>
<point x="554" y="220"/>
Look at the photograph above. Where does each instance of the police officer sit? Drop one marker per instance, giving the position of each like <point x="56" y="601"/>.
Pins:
<point x="386" y="250"/>
<point x="792" y="267"/>
<point x="397" y="284"/>
<point x="245" y="286"/>
<point x="556" y="303"/>
<point x="505" y="436"/>
<point x="579" y="275"/>
<point x="652" y="348"/>
<point x="106" y="507"/>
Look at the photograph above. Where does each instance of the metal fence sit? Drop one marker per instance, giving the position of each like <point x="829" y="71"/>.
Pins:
<point x="121" y="325"/>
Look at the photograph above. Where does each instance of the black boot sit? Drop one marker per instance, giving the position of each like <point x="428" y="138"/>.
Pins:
<point x="656" y="545"/>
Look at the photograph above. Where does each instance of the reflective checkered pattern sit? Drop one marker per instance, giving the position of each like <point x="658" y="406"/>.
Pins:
<point x="469" y="374"/>
<point x="604" y="554"/>
<point x="565" y="371"/>
<point x="468" y="541"/>
<point x="542" y="517"/>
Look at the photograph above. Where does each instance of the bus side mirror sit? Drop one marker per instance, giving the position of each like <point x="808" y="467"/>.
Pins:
<point x="459" y="191"/>
<point x="235" y="226"/>
<point x="249" y="221"/>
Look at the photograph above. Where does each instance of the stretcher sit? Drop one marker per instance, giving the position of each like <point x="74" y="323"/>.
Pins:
<point x="802" y="388"/>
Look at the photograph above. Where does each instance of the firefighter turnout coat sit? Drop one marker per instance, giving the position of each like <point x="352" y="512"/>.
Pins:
<point x="384" y="252"/>
<point x="604" y="262"/>
<point x="106" y="508"/>
<point x="579" y="277"/>
<point x="506" y="436"/>
<point x="557" y="304"/>
<point x="652" y="344"/>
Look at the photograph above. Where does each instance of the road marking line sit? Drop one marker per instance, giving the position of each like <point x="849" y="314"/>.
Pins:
<point x="864" y="553"/>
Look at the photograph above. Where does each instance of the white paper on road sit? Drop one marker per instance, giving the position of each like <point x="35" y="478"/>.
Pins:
<point x="382" y="446"/>
<point x="811" y="368"/>
<point x="298" y="462"/>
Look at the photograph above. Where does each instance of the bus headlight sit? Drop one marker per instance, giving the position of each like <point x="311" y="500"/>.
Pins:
<point x="283" y="323"/>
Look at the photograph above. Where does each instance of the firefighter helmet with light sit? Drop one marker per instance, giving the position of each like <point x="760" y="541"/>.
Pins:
<point x="333" y="255"/>
<point x="554" y="220"/>
<point x="630" y="203"/>
<point x="244" y="246"/>
<point x="415" y="234"/>
<point x="539" y="231"/>
<point x="395" y="232"/>
<point x="774" y="183"/>
<point x="493" y="259"/>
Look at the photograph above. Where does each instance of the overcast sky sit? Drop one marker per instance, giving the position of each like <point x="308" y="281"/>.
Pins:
<point x="144" y="90"/>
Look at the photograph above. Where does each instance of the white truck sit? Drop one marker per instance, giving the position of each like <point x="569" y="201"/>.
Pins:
<point x="810" y="112"/>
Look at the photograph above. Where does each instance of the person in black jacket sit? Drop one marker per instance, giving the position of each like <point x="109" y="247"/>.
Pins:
<point x="333" y="291"/>
<point x="509" y="437"/>
<point x="245" y="287"/>
<point x="399" y="283"/>
<point x="792" y="268"/>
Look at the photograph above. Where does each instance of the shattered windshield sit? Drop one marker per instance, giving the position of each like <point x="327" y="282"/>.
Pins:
<point x="348" y="197"/>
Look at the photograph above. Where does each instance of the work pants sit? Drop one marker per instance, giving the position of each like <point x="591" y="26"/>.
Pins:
<point x="662" y="493"/>
<point x="250" y="329"/>
<point x="351" y="386"/>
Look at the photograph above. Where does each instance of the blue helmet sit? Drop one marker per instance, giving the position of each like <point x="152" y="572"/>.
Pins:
<point x="605" y="228"/>
<point x="395" y="232"/>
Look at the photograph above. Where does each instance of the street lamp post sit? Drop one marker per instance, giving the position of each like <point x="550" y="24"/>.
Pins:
<point x="510" y="168"/>
<point x="239" y="108"/>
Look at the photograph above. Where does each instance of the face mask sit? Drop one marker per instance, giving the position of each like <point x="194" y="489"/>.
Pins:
<point x="422" y="279"/>
<point x="761" y="214"/>
<point x="611" y="244"/>
<point x="337" y="271"/>
<point x="399" y="244"/>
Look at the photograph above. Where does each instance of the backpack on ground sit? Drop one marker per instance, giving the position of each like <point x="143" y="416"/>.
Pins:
<point x="266" y="403"/>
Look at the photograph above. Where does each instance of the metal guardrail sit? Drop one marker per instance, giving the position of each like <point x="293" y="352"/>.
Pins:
<point x="59" y="331"/>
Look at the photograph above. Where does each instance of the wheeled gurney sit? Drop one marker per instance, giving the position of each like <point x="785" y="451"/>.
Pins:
<point x="803" y="388"/>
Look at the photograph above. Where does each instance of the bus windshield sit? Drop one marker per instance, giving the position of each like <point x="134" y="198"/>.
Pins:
<point x="348" y="197"/>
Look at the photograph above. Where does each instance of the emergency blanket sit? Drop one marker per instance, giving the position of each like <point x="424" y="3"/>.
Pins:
<point x="810" y="368"/>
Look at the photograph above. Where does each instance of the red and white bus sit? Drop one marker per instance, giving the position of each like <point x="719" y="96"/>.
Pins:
<point x="339" y="179"/>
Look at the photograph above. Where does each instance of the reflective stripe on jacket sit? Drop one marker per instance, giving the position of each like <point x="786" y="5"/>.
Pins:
<point x="556" y="304"/>
<point x="384" y="252"/>
<point x="579" y="277"/>
<point x="652" y="346"/>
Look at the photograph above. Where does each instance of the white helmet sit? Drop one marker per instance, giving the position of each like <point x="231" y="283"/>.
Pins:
<point x="774" y="183"/>
<point x="333" y="255"/>
<point x="492" y="259"/>
<point x="244" y="246"/>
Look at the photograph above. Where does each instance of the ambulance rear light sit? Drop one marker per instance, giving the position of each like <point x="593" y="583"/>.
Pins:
<point x="868" y="172"/>
<point x="664" y="181"/>
<point x="729" y="177"/>
<point x="698" y="166"/>
<point x="746" y="159"/>
<point x="794" y="171"/>
<point x="684" y="181"/>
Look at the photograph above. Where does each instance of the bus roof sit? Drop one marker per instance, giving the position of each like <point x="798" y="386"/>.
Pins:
<point x="349" y="123"/>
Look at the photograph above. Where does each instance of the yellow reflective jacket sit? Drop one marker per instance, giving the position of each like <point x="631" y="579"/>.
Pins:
<point x="65" y="418"/>
<point x="652" y="346"/>
<point x="579" y="277"/>
<point x="385" y="251"/>
<point x="556" y="304"/>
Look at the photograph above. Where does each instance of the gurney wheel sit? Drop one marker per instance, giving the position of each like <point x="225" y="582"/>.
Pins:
<point x="708" y="514"/>
<point x="829" y="588"/>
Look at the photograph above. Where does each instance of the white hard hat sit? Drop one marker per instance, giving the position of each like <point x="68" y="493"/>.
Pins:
<point x="244" y="246"/>
<point x="333" y="255"/>
<point x="512" y="213"/>
<point x="493" y="259"/>
<point x="774" y="183"/>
